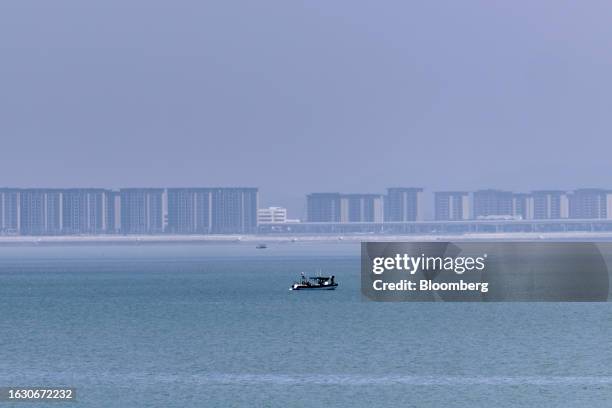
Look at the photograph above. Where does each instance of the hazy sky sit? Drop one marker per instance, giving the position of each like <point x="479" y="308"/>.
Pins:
<point x="295" y="97"/>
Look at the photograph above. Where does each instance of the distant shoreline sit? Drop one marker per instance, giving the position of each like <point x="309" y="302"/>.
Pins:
<point x="255" y="239"/>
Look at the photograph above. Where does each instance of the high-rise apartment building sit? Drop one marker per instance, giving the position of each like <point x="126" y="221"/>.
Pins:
<point x="491" y="202"/>
<point x="141" y="210"/>
<point x="522" y="206"/>
<point x="113" y="211"/>
<point x="404" y="204"/>
<point x="233" y="210"/>
<point x="9" y="211"/>
<point x="212" y="210"/>
<point x="84" y="210"/>
<point x="182" y="215"/>
<point x="550" y="204"/>
<point x="337" y="207"/>
<point x="452" y="205"/>
<point x="40" y="211"/>
<point x="589" y="203"/>
<point x="323" y="207"/>
<point x="358" y="207"/>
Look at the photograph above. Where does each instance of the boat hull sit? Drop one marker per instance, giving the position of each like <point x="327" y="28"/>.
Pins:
<point x="322" y="287"/>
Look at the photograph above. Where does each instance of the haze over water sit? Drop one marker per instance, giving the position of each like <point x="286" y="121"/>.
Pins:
<point x="215" y="325"/>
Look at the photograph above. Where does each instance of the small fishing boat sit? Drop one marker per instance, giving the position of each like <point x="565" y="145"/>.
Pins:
<point x="261" y="246"/>
<point x="315" y="283"/>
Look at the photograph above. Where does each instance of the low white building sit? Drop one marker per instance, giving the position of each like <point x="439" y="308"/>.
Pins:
<point x="271" y="215"/>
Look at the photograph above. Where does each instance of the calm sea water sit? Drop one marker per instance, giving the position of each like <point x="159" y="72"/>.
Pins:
<point x="215" y="326"/>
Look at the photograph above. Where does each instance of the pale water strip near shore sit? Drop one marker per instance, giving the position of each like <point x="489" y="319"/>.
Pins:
<point x="331" y="238"/>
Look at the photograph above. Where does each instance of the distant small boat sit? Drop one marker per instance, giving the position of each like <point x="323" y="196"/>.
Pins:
<point x="315" y="283"/>
<point x="261" y="246"/>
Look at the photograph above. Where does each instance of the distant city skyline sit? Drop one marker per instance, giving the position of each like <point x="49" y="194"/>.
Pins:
<point x="239" y="210"/>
